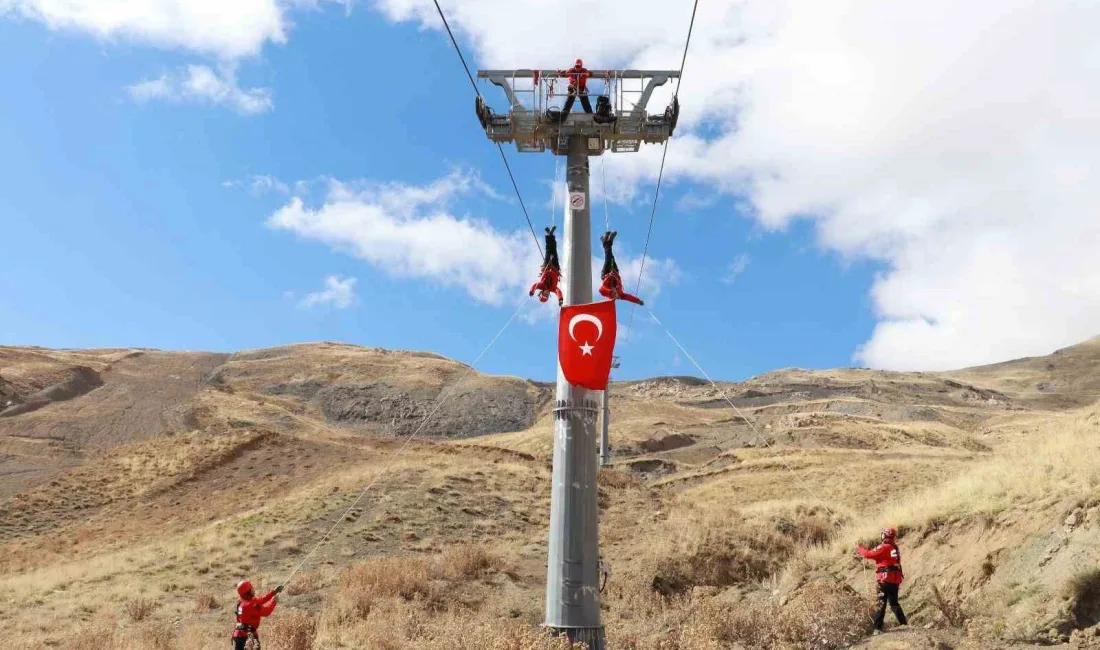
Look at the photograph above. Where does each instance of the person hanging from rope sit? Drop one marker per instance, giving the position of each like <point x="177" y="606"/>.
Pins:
<point x="250" y="611"/>
<point x="550" y="273"/>
<point x="578" y="87"/>
<point x="888" y="575"/>
<point x="612" y="286"/>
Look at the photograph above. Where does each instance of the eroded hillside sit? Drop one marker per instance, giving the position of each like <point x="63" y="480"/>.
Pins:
<point x="137" y="486"/>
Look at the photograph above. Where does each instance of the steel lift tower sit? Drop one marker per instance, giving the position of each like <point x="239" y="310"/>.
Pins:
<point x="572" y="572"/>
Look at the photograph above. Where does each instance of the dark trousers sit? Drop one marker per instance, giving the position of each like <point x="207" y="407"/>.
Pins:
<point x="888" y="595"/>
<point x="571" y="98"/>
<point x="609" y="264"/>
<point x="238" y="643"/>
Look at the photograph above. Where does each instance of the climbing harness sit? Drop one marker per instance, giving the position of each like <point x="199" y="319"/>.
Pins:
<point x="252" y="641"/>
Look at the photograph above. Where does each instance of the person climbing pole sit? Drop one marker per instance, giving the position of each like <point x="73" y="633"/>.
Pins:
<point x="888" y="575"/>
<point x="250" y="610"/>
<point x="550" y="273"/>
<point x="612" y="286"/>
<point x="578" y="87"/>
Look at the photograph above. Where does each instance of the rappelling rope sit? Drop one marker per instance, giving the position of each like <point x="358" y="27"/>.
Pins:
<point x="443" y="398"/>
<point x="661" y="172"/>
<point x="741" y="415"/>
<point x="503" y="158"/>
<point x="805" y="487"/>
<point x="603" y="190"/>
<point x="554" y="193"/>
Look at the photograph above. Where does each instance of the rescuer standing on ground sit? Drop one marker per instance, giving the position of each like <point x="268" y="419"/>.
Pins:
<point x="888" y="575"/>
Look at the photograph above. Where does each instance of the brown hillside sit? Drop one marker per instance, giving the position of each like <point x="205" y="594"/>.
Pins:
<point x="136" y="487"/>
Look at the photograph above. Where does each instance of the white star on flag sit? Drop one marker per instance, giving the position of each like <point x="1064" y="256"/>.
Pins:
<point x="586" y="348"/>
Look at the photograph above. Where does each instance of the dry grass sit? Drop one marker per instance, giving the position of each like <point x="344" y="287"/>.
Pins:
<point x="715" y="550"/>
<point x="138" y="609"/>
<point x="205" y="601"/>
<point x="616" y="478"/>
<point x="97" y="636"/>
<point x="1083" y="592"/>
<point x="1056" y="461"/>
<point x="306" y="582"/>
<point x="468" y="561"/>
<point x="821" y="616"/>
<point x="363" y="586"/>
<point x="291" y="630"/>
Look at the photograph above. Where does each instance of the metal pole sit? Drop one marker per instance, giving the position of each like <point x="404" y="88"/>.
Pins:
<point x="605" y="449"/>
<point x="572" y="571"/>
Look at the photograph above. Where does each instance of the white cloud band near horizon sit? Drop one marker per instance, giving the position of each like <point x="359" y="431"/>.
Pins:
<point x="952" y="143"/>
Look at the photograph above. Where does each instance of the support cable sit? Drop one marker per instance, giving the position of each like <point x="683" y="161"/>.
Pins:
<point x="756" y="432"/>
<point x="661" y="173"/>
<point x="504" y="158"/>
<point x="381" y="471"/>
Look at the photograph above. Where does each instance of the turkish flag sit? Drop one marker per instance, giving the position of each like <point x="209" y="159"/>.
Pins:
<point x="586" y="342"/>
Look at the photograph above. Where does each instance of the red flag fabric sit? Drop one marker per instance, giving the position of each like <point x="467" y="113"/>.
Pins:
<point x="586" y="343"/>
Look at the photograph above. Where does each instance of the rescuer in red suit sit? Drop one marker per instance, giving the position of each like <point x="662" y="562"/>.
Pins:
<point x="612" y="286"/>
<point x="250" y="611"/>
<point x="578" y="87"/>
<point x="550" y="272"/>
<point x="888" y="575"/>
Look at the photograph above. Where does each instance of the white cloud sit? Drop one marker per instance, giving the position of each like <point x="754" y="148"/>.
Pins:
<point x="201" y="84"/>
<point x="950" y="142"/>
<point x="412" y="231"/>
<point x="338" y="292"/>
<point x="736" y="268"/>
<point x="260" y="184"/>
<point x="227" y="30"/>
<point x="224" y="31"/>
<point x="656" y="275"/>
<point x="407" y="231"/>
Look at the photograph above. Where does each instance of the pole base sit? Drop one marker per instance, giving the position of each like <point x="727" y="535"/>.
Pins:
<point x="593" y="637"/>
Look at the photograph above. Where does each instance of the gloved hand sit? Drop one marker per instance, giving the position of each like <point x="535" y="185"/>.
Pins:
<point x="279" y="589"/>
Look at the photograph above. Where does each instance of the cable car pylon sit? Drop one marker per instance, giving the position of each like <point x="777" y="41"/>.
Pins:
<point x="620" y="123"/>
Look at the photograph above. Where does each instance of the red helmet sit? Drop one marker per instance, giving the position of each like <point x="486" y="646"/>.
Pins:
<point x="889" y="534"/>
<point x="244" y="588"/>
<point x="580" y="64"/>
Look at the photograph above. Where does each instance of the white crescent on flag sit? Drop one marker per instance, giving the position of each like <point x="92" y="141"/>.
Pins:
<point x="581" y="318"/>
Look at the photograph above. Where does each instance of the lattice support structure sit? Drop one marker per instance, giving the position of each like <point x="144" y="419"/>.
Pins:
<point x="535" y="125"/>
<point x="530" y="121"/>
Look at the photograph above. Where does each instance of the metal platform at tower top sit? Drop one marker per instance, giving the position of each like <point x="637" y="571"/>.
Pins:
<point x="530" y="95"/>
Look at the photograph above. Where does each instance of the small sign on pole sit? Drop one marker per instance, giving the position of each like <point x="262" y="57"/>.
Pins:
<point x="576" y="200"/>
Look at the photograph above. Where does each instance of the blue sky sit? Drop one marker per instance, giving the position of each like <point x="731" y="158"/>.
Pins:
<point x="131" y="221"/>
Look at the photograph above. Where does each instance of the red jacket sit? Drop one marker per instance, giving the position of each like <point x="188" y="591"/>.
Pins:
<point x="249" y="613"/>
<point x="612" y="288"/>
<point x="887" y="562"/>
<point x="578" y="77"/>
<point x="548" y="282"/>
